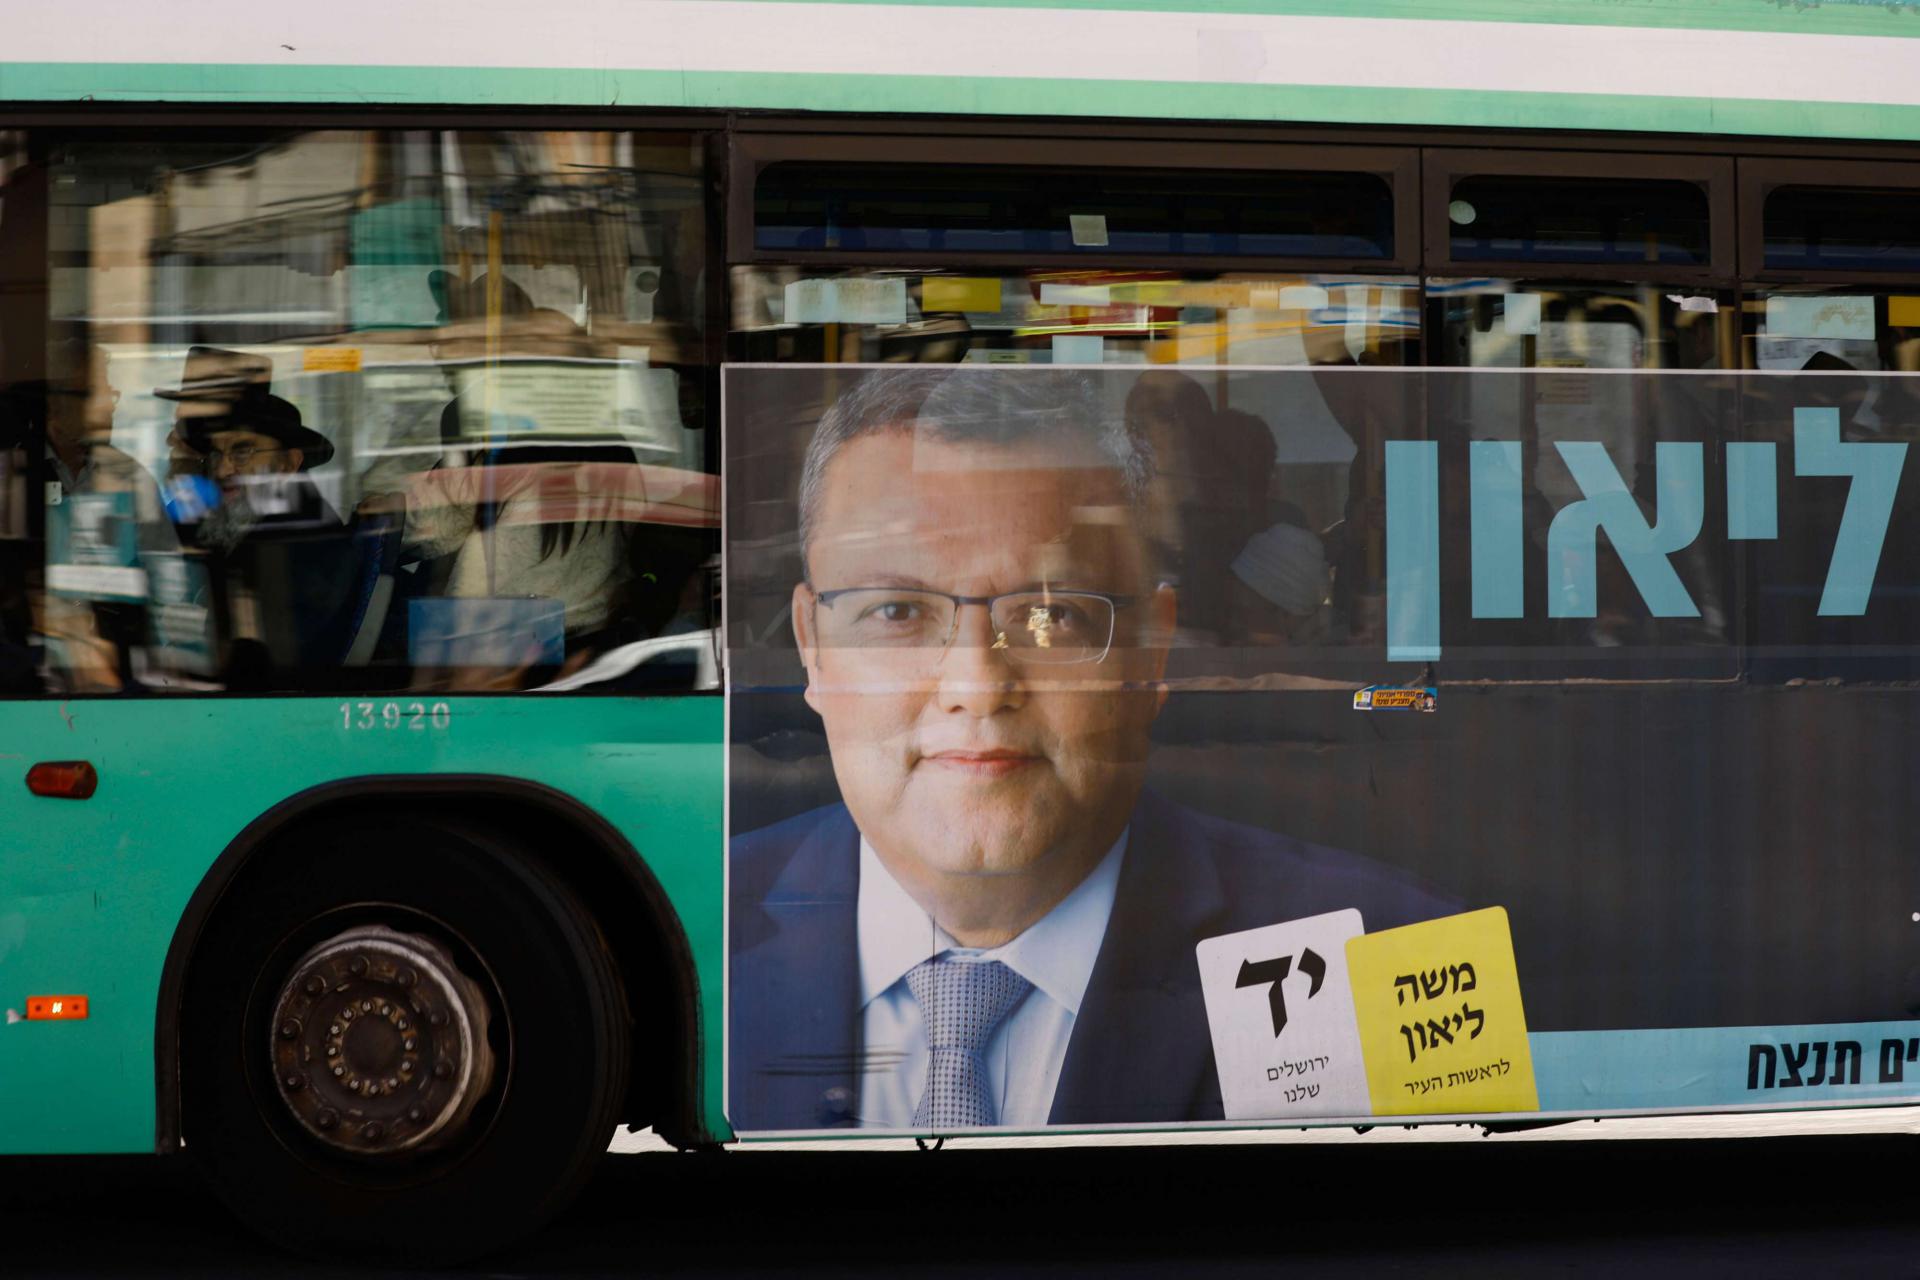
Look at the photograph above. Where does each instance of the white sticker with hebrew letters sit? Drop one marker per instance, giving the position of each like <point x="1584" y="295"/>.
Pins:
<point x="1280" y="1010"/>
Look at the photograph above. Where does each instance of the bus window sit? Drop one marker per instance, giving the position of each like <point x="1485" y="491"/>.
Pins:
<point x="371" y="411"/>
<point x="1836" y="346"/>
<point x="1597" y="221"/>
<point x="1820" y="228"/>
<point x="1085" y="212"/>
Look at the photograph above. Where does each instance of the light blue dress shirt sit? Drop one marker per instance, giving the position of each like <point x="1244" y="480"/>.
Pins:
<point x="1024" y="1056"/>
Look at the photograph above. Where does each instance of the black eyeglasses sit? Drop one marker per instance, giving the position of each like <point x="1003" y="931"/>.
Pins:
<point x="1042" y="627"/>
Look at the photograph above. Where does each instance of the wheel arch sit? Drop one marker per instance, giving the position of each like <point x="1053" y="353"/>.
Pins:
<point x="596" y="860"/>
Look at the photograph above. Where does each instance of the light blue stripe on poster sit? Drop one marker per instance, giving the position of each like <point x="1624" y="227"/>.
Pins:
<point x="1413" y="550"/>
<point x="1875" y="468"/>
<point x="1753" y="501"/>
<point x="1499" y="588"/>
<point x="1710" y="1067"/>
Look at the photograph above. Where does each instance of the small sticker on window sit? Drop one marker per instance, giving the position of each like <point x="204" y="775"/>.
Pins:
<point x="1078" y="348"/>
<point x="1521" y="316"/>
<point x="1089" y="229"/>
<point x="330" y="360"/>
<point x="847" y="301"/>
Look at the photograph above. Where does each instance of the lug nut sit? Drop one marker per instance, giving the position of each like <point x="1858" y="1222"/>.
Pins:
<point x="373" y="1131"/>
<point x="438" y="1017"/>
<point x="408" y="1044"/>
<point x="338" y="1070"/>
<point x="406" y="977"/>
<point x="327" y="1117"/>
<point x="289" y="1029"/>
<point x="315" y="985"/>
<point x="416" y="1113"/>
<point x="357" y="966"/>
<point x="441" y="1070"/>
<point x="293" y="1081"/>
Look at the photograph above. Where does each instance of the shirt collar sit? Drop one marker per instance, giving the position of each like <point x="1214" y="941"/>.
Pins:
<point x="1055" y="954"/>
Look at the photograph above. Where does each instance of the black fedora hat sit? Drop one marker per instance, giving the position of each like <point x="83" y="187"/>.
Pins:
<point x="217" y="375"/>
<point x="266" y="415"/>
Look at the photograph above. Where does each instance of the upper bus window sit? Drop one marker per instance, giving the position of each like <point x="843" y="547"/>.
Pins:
<point x="1842" y="229"/>
<point x="1578" y="220"/>
<point x="1092" y="212"/>
<point x="363" y="411"/>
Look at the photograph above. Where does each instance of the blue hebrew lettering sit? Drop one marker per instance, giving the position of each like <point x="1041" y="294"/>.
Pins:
<point x="1413" y="550"/>
<point x="1875" y="469"/>
<point x="1493" y="473"/>
<point x="1753" y="500"/>
<point x="1643" y="549"/>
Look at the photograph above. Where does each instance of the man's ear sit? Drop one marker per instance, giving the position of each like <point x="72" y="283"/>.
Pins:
<point x="802" y="612"/>
<point x="294" y="458"/>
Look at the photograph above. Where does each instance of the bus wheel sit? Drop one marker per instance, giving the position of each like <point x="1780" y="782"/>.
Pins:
<point x="400" y="1042"/>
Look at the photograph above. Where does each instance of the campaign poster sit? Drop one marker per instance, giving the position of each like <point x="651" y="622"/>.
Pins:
<point x="1126" y="746"/>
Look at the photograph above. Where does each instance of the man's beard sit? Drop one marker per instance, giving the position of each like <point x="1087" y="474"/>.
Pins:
<point x="225" y="525"/>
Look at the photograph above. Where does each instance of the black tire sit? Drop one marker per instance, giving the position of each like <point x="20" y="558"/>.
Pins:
<point x="558" y="1034"/>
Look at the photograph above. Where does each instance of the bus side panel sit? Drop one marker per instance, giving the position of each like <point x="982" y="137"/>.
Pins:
<point x="92" y="891"/>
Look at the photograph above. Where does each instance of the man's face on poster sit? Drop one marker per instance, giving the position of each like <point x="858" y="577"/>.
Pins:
<point x="981" y="739"/>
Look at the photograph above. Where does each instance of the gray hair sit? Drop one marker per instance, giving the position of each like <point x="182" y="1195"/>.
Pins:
<point x="1005" y="407"/>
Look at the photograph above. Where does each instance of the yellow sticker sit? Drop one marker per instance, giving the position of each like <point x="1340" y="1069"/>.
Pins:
<point x="1441" y="1027"/>
<point x="1903" y="312"/>
<point x="959" y="293"/>
<point x="330" y="360"/>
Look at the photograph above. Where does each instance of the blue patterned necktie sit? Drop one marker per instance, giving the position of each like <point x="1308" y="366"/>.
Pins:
<point x="961" y="1002"/>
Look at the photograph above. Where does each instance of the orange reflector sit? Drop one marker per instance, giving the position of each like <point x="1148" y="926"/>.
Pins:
<point x="63" y="779"/>
<point x="55" y="1008"/>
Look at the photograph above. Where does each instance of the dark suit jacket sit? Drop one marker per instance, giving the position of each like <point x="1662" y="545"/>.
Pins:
<point x="1140" y="1051"/>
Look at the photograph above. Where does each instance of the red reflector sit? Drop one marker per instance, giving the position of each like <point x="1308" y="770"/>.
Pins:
<point x="56" y="1008"/>
<point x="65" y="779"/>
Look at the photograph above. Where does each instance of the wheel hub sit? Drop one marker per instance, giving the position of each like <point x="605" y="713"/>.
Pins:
<point x="379" y="1042"/>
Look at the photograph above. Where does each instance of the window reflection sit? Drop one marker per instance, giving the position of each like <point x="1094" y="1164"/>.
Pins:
<point x="356" y="410"/>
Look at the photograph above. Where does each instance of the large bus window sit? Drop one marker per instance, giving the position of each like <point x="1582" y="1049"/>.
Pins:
<point x="372" y="411"/>
<point x="1579" y="344"/>
<point x="1835" y="347"/>
<point x="1265" y="489"/>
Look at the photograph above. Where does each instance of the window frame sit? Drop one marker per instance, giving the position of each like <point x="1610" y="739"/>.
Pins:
<point x="1442" y="167"/>
<point x="752" y="152"/>
<point x="1759" y="178"/>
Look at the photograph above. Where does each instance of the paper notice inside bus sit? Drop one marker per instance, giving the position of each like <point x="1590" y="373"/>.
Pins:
<point x="1441" y="1024"/>
<point x="1280" y="1011"/>
<point x="1832" y="317"/>
<point x="847" y="301"/>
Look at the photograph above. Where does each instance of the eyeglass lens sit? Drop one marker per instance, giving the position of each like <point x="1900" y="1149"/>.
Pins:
<point x="1035" y="627"/>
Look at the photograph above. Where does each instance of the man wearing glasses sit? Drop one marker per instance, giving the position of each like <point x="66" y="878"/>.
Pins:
<point x="997" y="926"/>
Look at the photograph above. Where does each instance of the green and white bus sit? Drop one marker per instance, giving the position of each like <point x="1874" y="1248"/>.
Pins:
<point x="767" y="568"/>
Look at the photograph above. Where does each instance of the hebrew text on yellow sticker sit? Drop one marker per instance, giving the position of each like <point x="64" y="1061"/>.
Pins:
<point x="1441" y="1026"/>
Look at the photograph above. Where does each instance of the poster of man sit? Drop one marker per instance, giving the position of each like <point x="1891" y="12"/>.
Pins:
<point x="993" y="921"/>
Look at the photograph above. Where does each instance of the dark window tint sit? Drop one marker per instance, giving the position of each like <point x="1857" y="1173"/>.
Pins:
<point x="1101" y="213"/>
<point x="1578" y="220"/>
<point x="1843" y="228"/>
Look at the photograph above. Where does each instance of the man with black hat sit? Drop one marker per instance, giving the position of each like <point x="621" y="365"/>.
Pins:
<point x="257" y="452"/>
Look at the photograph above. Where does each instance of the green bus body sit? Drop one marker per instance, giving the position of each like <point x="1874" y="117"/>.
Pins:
<point x="92" y="893"/>
<point x="96" y="896"/>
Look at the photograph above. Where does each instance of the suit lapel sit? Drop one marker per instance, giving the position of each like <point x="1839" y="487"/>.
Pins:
<point x="1141" y="1052"/>
<point x="796" y="990"/>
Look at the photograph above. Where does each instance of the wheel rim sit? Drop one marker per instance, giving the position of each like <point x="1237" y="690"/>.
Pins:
<point x="379" y="1043"/>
